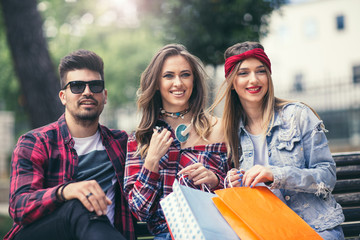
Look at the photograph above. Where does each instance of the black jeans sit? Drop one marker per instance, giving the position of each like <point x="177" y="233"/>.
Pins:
<point x="72" y="221"/>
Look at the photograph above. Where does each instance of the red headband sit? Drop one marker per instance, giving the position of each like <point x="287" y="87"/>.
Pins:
<point x="256" y="53"/>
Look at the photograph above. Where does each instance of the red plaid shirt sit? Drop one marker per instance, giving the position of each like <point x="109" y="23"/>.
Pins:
<point x="145" y="189"/>
<point x="44" y="159"/>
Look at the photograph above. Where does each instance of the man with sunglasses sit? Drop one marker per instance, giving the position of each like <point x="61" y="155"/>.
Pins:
<point x="67" y="177"/>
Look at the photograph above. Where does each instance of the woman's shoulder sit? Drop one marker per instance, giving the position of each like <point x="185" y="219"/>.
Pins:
<point x="306" y="115"/>
<point x="298" y="107"/>
<point x="295" y="107"/>
<point x="217" y="132"/>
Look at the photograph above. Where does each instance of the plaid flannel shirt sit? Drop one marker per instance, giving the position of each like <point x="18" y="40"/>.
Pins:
<point x="44" y="159"/>
<point x="145" y="189"/>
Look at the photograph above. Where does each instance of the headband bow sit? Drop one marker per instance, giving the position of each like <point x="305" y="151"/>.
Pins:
<point x="256" y="53"/>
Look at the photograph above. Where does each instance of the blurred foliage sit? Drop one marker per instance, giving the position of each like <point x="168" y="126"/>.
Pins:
<point x="5" y="225"/>
<point x="208" y="27"/>
<point x="104" y="27"/>
<point x="127" y="41"/>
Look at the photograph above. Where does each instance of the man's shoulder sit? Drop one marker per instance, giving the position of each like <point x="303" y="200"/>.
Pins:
<point x="47" y="130"/>
<point x="48" y="135"/>
<point x="115" y="134"/>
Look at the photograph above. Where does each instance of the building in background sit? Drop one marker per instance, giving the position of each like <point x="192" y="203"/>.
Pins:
<point x="314" y="47"/>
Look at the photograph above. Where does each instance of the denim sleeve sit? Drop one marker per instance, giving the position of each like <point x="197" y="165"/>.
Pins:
<point x="318" y="173"/>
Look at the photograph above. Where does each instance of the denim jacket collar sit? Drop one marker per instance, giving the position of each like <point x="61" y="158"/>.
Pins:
<point x="277" y="122"/>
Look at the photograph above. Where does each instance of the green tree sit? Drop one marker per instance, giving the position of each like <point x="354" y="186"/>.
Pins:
<point x="208" y="27"/>
<point x="32" y="63"/>
<point x="126" y="48"/>
<point x="67" y="26"/>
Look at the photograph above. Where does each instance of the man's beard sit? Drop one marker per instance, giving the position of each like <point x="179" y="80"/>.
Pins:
<point x="89" y="116"/>
<point x="86" y="119"/>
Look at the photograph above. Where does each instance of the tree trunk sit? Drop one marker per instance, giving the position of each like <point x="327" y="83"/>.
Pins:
<point x="33" y="66"/>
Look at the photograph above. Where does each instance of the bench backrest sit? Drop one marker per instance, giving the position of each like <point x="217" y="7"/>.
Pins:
<point x="347" y="190"/>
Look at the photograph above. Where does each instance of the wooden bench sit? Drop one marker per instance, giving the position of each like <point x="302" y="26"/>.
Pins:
<point x="346" y="192"/>
<point x="142" y="231"/>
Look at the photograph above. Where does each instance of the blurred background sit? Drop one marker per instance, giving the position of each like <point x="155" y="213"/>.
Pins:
<point x="313" y="46"/>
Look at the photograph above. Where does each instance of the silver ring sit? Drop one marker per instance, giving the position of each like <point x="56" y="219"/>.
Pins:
<point x="88" y="195"/>
<point x="158" y="129"/>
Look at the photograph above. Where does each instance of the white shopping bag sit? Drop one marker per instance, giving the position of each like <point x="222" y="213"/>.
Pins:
<point x="191" y="214"/>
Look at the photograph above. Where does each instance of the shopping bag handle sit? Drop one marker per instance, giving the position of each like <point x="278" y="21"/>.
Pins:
<point x="227" y="178"/>
<point x="203" y="186"/>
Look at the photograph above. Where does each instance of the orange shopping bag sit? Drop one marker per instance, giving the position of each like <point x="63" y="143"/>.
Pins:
<point x="257" y="213"/>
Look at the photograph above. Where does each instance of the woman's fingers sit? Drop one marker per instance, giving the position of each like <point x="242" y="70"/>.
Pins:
<point x="200" y="175"/>
<point x="257" y="174"/>
<point x="159" y="144"/>
<point x="235" y="177"/>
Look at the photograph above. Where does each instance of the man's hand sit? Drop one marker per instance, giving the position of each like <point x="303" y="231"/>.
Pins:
<point x="89" y="193"/>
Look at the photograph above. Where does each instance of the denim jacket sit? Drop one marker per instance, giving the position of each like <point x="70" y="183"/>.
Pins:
<point x="302" y="165"/>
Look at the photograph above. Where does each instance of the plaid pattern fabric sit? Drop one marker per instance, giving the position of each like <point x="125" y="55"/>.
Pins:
<point x="145" y="189"/>
<point x="44" y="159"/>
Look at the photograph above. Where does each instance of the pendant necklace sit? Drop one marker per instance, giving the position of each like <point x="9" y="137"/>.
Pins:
<point x="182" y="132"/>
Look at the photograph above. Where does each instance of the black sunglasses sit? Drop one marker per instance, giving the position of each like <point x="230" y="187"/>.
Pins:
<point x="76" y="87"/>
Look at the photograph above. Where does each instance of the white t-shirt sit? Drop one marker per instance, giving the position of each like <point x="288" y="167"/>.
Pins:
<point x="94" y="164"/>
<point x="261" y="157"/>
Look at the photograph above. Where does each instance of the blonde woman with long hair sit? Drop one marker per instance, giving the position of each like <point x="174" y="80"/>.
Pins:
<point x="276" y="142"/>
<point x="175" y="136"/>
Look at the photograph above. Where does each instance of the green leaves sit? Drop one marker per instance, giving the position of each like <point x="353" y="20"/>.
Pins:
<point x="208" y="27"/>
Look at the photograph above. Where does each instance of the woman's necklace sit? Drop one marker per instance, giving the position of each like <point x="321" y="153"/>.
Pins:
<point x="182" y="132"/>
<point x="180" y="114"/>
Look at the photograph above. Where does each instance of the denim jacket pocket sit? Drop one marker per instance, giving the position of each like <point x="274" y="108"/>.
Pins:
<point x="287" y="138"/>
<point x="289" y="147"/>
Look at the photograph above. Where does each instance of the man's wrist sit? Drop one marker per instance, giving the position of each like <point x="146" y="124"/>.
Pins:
<point x="60" y="192"/>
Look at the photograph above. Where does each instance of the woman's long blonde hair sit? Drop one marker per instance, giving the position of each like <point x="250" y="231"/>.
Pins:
<point x="149" y="99"/>
<point x="233" y="110"/>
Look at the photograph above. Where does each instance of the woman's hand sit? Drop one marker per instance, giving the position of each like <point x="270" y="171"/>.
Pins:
<point x="235" y="177"/>
<point x="257" y="174"/>
<point x="200" y="175"/>
<point x="159" y="144"/>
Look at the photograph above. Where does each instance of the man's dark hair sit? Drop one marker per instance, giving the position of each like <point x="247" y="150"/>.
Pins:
<point x="80" y="59"/>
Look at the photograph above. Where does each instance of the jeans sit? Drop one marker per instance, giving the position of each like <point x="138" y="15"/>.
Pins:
<point x="332" y="234"/>
<point x="69" y="222"/>
<point x="162" y="236"/>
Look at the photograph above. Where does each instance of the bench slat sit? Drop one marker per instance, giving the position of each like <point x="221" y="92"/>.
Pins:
<point x="351" y="230"/>
<point x="344" y="159"/>
<point x="347" y="186"/>
<point x="346" y="172"/>
<point x="348" y="199"/>
<point x="352" y="214"/>
<point x="141" y="229"/>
